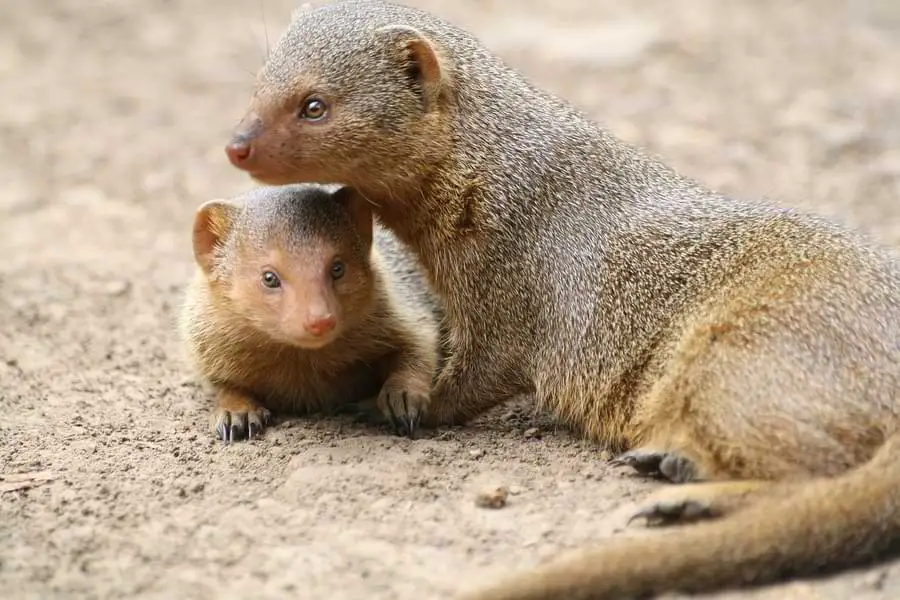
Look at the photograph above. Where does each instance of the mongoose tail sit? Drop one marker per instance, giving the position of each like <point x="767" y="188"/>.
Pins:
<point x="772" y="540"/>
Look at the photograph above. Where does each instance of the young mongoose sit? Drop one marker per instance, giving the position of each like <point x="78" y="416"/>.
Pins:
<point x="709" y="339"/>
<point x="300" y="304"/>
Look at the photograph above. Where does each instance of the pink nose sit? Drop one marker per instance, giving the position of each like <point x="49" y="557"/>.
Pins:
<point x="238" y="152"/>
<point x="321" y="325"/>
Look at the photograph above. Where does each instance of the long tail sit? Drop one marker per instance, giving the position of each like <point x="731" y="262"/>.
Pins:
<point x="826" y="525"/>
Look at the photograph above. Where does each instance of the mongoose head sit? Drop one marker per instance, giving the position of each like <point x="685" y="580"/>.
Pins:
<point x="346" y="95"/>
<point x="290" y="262"/>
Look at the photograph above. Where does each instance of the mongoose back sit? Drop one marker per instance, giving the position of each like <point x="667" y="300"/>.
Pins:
<point x="750" y="348"/>
<point x="300" y="304"/>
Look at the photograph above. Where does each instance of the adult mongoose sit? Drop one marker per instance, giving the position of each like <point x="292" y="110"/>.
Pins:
<point x="301" y="304"/>
<point x="752" y="348"/>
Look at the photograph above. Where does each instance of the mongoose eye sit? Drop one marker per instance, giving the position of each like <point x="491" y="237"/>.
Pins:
<point x="313" y="109"/>
<point x="337" y="269"/>
<point x="271" y="280"/>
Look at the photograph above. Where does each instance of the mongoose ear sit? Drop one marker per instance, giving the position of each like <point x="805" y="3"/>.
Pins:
<point x="420" y="60"/>
<point x="212" y="221"/>
<point x="359" y="209"/>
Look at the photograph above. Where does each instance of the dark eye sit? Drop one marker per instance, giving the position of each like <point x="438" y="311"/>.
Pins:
<point x="337" y="269"/>
<point x="271" y="280"/>
<point x="313" y="109"/>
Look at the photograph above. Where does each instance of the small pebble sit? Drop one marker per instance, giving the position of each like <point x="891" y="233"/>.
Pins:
<point x="874" y="580"/>
<point x="532" y="434"/>
<point x="117" y="288"/>
<point x="477" y="453"/>
<point x="495" y="498"/>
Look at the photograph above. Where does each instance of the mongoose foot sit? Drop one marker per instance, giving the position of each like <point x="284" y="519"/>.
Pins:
<point x="403" y="409"/>
<point x="237" y="417"/>
<point x="663" y="465"/>
<point x="675" y="512"/>
<point x="703" y="501"/>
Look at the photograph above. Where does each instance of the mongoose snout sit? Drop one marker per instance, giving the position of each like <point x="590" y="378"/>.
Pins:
<point x="240" y="148"/>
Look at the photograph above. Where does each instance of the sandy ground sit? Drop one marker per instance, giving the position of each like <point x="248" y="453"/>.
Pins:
<point x="112" y="124"/>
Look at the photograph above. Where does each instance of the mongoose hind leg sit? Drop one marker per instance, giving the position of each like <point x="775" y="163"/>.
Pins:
<point x="727" y="407"/>
<point x="237" y="416"/>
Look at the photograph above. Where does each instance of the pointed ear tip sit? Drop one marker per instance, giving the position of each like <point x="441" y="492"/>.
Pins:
<point x="215" y="207"/>
<point x="212" y="205"/>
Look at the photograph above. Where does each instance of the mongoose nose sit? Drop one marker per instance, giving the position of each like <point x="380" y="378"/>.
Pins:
<point x="321" y="325"/>
<point x="238" y="152"/>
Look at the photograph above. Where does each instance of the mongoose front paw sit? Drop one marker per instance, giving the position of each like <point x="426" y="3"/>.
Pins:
<point x="664" y="465"/>
<point x="237" y="417"/>
<point x="403" y="409"/>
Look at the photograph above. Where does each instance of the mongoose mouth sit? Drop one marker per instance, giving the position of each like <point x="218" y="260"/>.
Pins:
<point x="310" y="342"/>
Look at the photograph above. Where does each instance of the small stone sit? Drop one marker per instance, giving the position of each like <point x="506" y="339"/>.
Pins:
<point x="477" y="453"/>
<point x="532" y="434"/>
<point x="605" y="455"/>
<point x="117" y="288"/>
<point x="494" y="498"/>
<point x="874" y="580"/>
<point x="198" y="487"/>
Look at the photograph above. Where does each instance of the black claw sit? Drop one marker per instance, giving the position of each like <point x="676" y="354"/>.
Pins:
<point x="657" y="514"/>
<point x="237" y="432"/>
<point x="644" y="513"/>
<point x="412" y="417"/>
<point x="669" y="513"/>
<point x="661" y="465"/>
<point x="253" y="430"/>
<point x="410" y="429"/>
<point x="405" y="422"/>
<point x="414" y="426"/>
<point x="645" y="463"/>
<point x="391" y="415"/>
<point x="222" y="427"/>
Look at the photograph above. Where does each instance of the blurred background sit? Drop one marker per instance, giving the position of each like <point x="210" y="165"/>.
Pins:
<point x="113" y="120"/>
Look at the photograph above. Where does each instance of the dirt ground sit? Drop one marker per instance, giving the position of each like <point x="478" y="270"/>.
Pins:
<point x="113" y="120"/>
